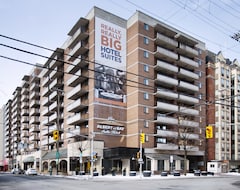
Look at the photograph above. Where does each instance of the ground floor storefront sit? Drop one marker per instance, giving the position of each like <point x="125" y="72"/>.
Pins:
<point x="93" y="158"/>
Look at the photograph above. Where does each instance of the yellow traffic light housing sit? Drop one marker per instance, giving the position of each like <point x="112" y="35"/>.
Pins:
<point x="55" y="135"/>
<point x="142" y="138"/>
<point x="209" y="132"/>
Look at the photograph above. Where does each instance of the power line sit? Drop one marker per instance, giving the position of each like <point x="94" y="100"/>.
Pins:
<point x="57" y="51"/>
<point x="44" y="67"/>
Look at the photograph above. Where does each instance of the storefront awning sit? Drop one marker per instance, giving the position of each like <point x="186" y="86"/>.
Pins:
<point x="156" y="156"/>
<point x="53" y="154"/>
<point x="28" y="159"/>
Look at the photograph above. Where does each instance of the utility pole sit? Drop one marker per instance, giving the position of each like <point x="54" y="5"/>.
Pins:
<point x="91" y="152"/>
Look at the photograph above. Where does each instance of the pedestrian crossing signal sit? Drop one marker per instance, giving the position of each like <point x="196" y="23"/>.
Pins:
<point x="55" y="135"/>
<point x="209" y="132"/>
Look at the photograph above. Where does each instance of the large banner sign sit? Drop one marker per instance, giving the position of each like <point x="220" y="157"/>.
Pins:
<point x="110" y="56"/>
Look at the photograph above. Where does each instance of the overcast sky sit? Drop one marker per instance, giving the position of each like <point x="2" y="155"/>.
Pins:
<point x="47" y="22"/>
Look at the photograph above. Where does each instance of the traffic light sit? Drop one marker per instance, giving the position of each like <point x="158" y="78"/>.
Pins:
<point x="142" y="138"/>
<point x="55" y="135"/>
<point x="209" y="132"/>
<point x="138" y="155"/>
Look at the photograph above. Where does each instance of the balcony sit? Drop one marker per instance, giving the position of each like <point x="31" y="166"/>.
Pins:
<point x="167" y="146"/>
<point x="188" y="99"/>
<point x="34" y="120"/>
<point x="188" y="63"/>
<point x="34" y="103"/>
<point x="165" y="54"/>
<point x="35" y="112"/>
<point x="34" y="95"/>
<point x="165" y="80"/>
<point x="185" y="74"/>
<point x="25" y="134"/>
<point x="165" y="41"/>
<point x="73" y="133"/>
<point x="188" y="86"/>
<point x="53" y="118"/>
<point x="77" y="119"/>
<point x="76" y="92"/>
<point x="77" y="105"/>
<point x="166" y="107"/>
<point x="34" y="137"/>
<point x="77" y="64"/>
<point x="165" y="133"/>
<point x="189" y="111"/>
<point x="25" y="127"/>
<point x="35" y="86"/>
<point x="167" y="94"/>
<point x="25" y="112"/>
<point x="166" y="120"/>
<point x="188" y="123"/>
<point x="79" y="49"/>
<point x="165" y="67"/>
<point x="25" y="98"/>
<point x="79" y="31"/>
<point x="55" y="74"/>
<point x="47" y="112"/>
<point x="34" y="128"/>
<point x="187" y="51"/>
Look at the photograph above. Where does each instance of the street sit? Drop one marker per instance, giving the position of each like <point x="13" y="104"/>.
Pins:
<point x="23" y="182"/>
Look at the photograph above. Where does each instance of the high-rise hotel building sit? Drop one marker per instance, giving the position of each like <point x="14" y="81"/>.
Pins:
<point x="112" y="80"/>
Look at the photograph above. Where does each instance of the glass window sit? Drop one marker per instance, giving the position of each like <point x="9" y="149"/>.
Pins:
<point x="227" y="73"/>
<point x="146" y="40"/>
<point x="146" y="68"/>
<point x="146" y="81"/>
<point x="146" y="96"/>
<point x="146" y="26"/>
<point x="162" y="140"/>
<point x="146" y="110"/>
<point x="145" y="54"/>
<point x="222" y="71"/>
<point x="146" y="123"/>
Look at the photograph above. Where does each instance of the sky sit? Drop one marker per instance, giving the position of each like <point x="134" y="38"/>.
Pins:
<point x="47" y="22"/>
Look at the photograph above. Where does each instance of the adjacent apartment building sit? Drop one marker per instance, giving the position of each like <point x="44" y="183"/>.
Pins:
<point x="112" y="80"/>
<point x="224" y="112"/>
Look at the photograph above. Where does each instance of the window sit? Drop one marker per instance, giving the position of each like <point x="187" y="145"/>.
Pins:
<point x="200" y="85"/>
<point x="200" y="73"/>
<point x="222" y="71"/>
<point x="145" y="109"/>
<point x="238" y="78"/>
<point x="199" y="51"/>
<point x="146" y="26"/>
<point x="146" y="96"/>
<point x="145" y="54"/>
<point x="146" y="68"/>
<point x="227" y="84"/>
<point x="227" y="73"/>
<point x="199" y="62"/>
<point x="146" y="81"/>
<point x="162" y="140"/>
<point x="146" y="123"/>
<point x="222" y="82"/>
<point x="146" y="40"/>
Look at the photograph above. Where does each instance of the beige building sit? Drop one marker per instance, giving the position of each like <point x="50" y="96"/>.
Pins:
<point x="227" y="87"/>
<point x="110" y="81"/>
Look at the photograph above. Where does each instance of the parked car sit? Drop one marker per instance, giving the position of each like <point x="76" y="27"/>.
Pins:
<point x="17" y="171"/>
<point x="176" y="173"/>
<point x="197" y="172"/>
<point x="31" y="171"/>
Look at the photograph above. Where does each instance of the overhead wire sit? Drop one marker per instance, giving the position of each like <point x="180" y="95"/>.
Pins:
<point x="174" y="24"/>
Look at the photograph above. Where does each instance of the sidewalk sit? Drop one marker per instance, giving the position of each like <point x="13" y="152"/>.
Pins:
<point x="137" y="177"/>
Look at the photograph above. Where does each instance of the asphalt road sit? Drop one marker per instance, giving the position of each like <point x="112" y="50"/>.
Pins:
<point x="23" y="182"/>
